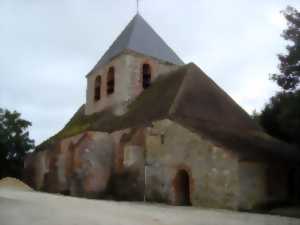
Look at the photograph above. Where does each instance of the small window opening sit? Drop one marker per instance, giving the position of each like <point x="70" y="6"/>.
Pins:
<point x="162" y="139"/>
<point x="146" y="76"/>
<point x="97" y="91"/>
<point x="111" y="81"/>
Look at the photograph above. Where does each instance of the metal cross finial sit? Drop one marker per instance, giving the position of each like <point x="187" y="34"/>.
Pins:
<point x="137" y="6"/>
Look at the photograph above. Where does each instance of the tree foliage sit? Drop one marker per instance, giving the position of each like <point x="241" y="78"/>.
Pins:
<point x="289" y="67"/>
<point x="14" y="143"/>
<point x="281" y="117"/>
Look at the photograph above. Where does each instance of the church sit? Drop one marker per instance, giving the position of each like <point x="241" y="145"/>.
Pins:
<point x="156" y="129"/>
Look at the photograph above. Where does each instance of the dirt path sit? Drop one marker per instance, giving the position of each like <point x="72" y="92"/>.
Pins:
<point x="33" y="208"/>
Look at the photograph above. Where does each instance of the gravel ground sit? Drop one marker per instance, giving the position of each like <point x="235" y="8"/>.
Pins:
<point x="10" y="182"/>
<point x="19" y="207"/>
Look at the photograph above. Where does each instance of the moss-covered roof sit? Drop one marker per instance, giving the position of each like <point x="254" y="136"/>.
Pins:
<point x="189" y="97"/>
<point x="249" y="144"/>
<point x="153" y="104"/>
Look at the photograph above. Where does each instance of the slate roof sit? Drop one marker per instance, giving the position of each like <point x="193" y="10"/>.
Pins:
<point x="138" y="36"/>
<point x="190" y="98"/>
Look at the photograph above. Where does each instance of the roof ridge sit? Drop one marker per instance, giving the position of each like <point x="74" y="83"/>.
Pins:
<point x="127" y="28"/>
<point x="174" y="104"/>
<point x="158" y="35"/>
<point x="132" y="23"/>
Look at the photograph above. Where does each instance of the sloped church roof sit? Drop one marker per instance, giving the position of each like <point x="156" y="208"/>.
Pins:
<point x="189" y="97"/>
<point x="139" y="36"/>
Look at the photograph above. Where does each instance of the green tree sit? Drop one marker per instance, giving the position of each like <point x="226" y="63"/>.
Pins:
<point x="289" y="76"/>
<point x="281" y="117"/>
<point x="14" y="143"/>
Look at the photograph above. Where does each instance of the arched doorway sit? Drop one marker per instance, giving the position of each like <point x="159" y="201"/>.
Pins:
<point x="182" y="188"/>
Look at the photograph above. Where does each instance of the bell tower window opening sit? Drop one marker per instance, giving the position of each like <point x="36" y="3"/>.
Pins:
<point x="146" y="75"/>
<point x="111" y="81"/>
<point x="97" y="91"/>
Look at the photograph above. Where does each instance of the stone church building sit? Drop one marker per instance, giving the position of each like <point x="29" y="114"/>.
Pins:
<point x="156" y="129"/>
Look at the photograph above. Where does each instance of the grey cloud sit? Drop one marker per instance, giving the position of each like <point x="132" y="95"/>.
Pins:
<point x="47" y="48"/>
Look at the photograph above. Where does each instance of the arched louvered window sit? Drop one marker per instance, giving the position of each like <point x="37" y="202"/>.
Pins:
<point x="97" y="90"/>
<point x="146" y="75"/>
<point x="111" y="81"/>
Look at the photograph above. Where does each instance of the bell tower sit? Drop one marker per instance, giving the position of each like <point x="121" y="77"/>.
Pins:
<point x="134" y="60"/>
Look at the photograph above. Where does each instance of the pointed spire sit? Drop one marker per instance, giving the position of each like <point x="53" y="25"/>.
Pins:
<point x="138" y="36"/>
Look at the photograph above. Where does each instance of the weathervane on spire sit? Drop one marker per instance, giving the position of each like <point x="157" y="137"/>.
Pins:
<point x="137" y="6"/>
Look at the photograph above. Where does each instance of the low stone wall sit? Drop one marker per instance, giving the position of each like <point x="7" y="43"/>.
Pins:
<point x="80" y="166"/>
<point x="211" y="170"/>
<point x="164" y="162"/>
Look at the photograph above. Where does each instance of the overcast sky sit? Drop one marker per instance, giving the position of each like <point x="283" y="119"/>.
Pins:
<point x="47" y="48"/>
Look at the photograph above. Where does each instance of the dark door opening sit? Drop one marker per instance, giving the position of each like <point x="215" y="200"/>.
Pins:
<point x="110" y="81"/>
<point x="146" y="76"/>
<point x="182" y="188"/>
<point x="292" y="185"/>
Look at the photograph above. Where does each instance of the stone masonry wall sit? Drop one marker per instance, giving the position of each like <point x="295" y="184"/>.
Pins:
<point x="138" y="163"/>
<point x="96" y="164"/>
<point x="128" y="178"/>
<point x="80" y="166"/>
<point x="213" y="171"/>
<point x="262" y="184"/>
<point x="128" y="81"/>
